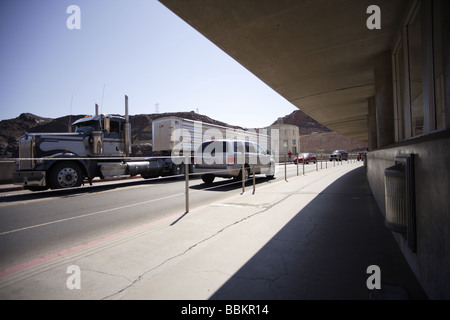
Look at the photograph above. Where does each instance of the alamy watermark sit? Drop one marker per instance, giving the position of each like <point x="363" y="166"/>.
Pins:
<point x="374" y="280"/>
<point x="374" y="21"/>
<point x="74" y="280"/>
<point x="254" y="145"/>
<point x="74" y="20"/>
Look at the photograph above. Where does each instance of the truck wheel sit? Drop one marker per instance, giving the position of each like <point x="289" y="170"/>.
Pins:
<point x="66" y="174"/>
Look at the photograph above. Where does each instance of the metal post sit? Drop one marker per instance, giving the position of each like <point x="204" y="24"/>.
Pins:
<point x="186" y="174"/>
<point x="297" y="164"/>
<point x="254" y="179"/>
<point x="321" y="160"/>
<point x="243" y="171"/>
<point x="285" y="169"/>
<point x="303" y="165"/>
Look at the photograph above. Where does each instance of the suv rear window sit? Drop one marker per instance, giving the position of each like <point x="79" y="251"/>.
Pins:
<point x="222" y="146"/>
<point x="214" y="146"/>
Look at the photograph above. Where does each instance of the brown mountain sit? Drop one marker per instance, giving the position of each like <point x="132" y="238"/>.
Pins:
<point x="305" y="123"/>
<point x="314" y="136"/>
<point x="141" y="132"/>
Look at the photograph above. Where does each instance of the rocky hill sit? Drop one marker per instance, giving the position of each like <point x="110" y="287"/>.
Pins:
<point x="141" y="132"/>
<point x="305" y="123"/>
<point x="314" y="136"/>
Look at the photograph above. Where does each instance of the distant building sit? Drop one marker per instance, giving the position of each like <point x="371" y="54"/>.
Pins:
<point x="289" y="139"/>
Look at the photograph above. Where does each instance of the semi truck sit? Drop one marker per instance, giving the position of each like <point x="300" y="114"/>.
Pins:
<point x="100" y="146"/>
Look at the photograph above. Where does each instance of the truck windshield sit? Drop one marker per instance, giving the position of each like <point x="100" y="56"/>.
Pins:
<point x="87" y="127"/>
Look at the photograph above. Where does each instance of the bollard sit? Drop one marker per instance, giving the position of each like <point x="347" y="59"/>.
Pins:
<point x="297" y="164"/>
<point x="285" y="170"/>
<point x="243" y="172"/>
<point x="303" y="165"/>
<point x="186" y="174"/>
<point x="254" y="179"/>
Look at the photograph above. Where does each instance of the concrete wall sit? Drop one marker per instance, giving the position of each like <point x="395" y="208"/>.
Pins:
<point x="431" y="262"/>
<point x="6" y="171"/>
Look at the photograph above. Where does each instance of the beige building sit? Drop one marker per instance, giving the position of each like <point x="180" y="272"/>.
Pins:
<point x="288" y="140"/>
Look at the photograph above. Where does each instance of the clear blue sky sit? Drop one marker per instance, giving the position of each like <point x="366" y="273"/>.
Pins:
<point x="133" y="47"/>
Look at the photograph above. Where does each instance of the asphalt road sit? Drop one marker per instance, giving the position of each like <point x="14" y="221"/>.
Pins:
<point x="37" y="224"/>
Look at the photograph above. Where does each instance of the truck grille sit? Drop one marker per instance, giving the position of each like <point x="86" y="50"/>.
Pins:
<point x="26" y="153"/>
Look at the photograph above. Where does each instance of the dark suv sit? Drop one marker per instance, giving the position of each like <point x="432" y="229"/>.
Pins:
<point x="339" y="155"/>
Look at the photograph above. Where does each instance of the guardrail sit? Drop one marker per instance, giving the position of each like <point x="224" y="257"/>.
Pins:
<point x="6" y="171"/>
<point x="320" y="164"/>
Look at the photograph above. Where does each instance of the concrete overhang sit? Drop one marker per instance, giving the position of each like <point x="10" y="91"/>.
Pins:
<point x="317" y="54"/>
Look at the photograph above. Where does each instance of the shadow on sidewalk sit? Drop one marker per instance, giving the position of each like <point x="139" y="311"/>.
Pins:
<point x="324" y="253"/>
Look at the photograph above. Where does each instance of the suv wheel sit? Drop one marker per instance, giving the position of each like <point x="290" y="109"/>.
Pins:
<point x="271" y="173"/>
<point x="246" y="174"/>
<point x="208" y="178"/>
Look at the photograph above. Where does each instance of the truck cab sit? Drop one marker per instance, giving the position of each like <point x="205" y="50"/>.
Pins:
<point x="107" y="134"/>
<point x="61" y="160"/>
<point x="99" y="147"/>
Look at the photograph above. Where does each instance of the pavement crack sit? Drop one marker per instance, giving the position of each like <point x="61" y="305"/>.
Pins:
<point x="265" y="208"/>
<point x="108" y="274"/>
<point x="140" y="277"/>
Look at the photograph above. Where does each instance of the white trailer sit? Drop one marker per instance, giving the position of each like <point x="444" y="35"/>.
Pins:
<point x="179" y="134"/>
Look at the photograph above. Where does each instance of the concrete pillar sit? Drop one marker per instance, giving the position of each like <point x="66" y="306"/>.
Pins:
<point x="372" y="124"/>
<point x="384" y="99"/>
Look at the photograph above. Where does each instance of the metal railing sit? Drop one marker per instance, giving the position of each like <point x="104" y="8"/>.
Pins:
<point x="320" y="164"/>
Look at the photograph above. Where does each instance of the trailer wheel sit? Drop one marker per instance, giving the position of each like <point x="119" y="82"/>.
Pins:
<point x="66" y="174"/>
<point x="178" y="169"/>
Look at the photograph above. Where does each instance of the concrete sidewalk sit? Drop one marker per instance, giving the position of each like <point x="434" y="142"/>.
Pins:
<point x="310" y="238"/>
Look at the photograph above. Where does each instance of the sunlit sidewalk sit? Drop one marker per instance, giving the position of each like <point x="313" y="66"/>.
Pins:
<point x="313" y="237"/>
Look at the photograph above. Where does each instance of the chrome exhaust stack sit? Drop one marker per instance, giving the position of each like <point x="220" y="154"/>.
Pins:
<point x="127" y="129"/>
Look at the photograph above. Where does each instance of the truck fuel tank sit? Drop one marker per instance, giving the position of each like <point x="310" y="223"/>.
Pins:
<point x="145" y="168"/>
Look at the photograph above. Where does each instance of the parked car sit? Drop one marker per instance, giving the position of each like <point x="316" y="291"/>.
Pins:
<point x="223" y="158"/>
<point x="361" y="155"/>
<point x="339" y="155"/>
<point x="305" y="158"/>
